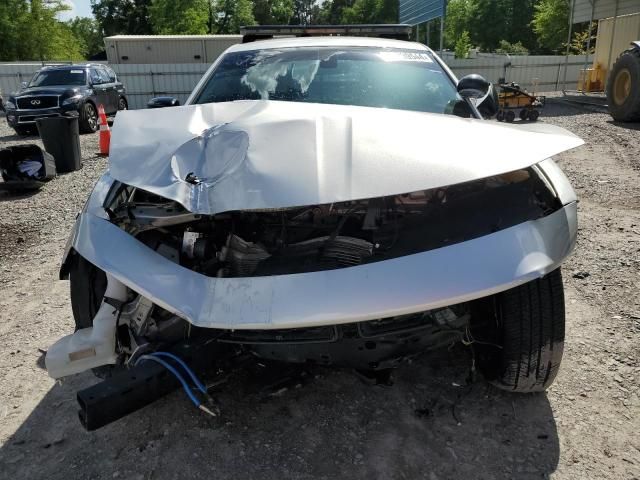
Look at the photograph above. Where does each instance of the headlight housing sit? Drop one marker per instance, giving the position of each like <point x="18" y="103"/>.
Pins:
<point x="9" y="104"/>
<point x="72" y="100"/>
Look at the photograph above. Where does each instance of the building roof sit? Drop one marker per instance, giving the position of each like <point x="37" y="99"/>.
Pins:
<point x="173" y="37"/>
<point x="583" y="9"/>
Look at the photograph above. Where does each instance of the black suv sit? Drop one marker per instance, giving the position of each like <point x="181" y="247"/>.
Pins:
<point x="65" y="89"/>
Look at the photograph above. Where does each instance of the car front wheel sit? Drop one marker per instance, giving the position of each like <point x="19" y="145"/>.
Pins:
<point x="520" y="338"/>
<point x="122" y="104"/>
<point x="88" y="118"/>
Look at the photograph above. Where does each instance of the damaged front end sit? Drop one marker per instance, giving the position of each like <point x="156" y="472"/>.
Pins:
<point x="362" y="281"/>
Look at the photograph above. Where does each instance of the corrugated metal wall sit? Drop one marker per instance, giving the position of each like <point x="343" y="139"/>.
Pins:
<point x="614" y="37"/>
<point x="603" y="9"/>
<point x="146" y="81"/>
<point x="545" y="71"/>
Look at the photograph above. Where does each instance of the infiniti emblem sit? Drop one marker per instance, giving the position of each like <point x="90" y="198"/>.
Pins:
<point x="35" y="102"/>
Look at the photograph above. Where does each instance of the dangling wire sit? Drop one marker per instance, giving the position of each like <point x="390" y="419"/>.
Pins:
<point x="186" y="368"/>
<point x="182" y="381"/>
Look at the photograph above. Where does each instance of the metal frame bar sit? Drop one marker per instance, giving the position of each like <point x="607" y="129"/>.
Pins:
<point x="566" y="58"/>
<point x="613" y="36"/>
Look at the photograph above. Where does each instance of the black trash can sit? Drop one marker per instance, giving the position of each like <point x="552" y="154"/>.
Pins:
<point x="25" y="167"/>
<point x="61" y="139"/>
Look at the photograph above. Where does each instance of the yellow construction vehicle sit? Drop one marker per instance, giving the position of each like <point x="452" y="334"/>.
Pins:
<point x="613" y="72"/>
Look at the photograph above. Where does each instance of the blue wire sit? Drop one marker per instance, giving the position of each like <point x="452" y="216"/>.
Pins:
<point x="182" y="363"/>
<point x="166" y="365"/>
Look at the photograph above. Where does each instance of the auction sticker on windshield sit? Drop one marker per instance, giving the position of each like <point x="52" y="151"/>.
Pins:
<point x="405" y="57"/>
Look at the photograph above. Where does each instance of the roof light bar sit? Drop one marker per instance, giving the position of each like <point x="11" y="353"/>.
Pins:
<point x="262" y="32"/>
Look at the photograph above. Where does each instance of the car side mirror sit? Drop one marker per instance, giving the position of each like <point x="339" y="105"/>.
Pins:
<point x="473" y="86"/>
<point x="23" y="84"/>
<point x="161" y="102"/>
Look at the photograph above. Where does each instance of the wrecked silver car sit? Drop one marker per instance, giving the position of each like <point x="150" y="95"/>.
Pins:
<point x="337" y="201"/>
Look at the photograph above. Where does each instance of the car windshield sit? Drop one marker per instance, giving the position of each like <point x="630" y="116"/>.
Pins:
<point x="58" y="77"/>
<point x="371" y="77"/>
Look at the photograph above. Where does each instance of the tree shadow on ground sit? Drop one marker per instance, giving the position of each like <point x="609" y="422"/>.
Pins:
<point x="324" y="423"/>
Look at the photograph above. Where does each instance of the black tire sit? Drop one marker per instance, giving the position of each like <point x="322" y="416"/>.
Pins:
<point x="534" y="115"/>
<point x="122" y="104"/>
<point x="524" y="113"/>
<point x="500" y="116"/>
<point x="88" y="121"/>
<point x="623" y="87"/>
<point x="520" y="349"/>
<point x="510" y="116"/>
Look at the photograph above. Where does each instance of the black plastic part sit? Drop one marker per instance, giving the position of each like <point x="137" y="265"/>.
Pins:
<point x="161" y="102"/>
<point x="132" y="389"/>
<point x="61" y="138"/>
<point x="473" y="86"/>
<point x="265" y="32"/>
<point x="13" y="178"/>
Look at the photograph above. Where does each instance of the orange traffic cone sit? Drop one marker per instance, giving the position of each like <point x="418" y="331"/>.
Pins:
<point x="105" y="133"/>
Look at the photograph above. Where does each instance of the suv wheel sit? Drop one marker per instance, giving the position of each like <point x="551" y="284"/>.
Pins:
<point x="122" y="104"/>
<point x="520" y="346"/>
<point x="88" y="119"/>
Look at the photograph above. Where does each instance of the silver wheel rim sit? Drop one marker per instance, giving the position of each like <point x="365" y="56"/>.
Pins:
<point x="92" y="117"/>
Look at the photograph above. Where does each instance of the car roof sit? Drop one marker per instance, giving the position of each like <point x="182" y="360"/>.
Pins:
<point x="326" y="42"/>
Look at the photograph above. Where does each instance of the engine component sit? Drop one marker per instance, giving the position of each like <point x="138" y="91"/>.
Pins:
<point x="189" y="241"/>
<point x="312" y="238"/>
<point x="243" y="257"/>
<point x="139" y="314"/>
<point x="344" y="250"/>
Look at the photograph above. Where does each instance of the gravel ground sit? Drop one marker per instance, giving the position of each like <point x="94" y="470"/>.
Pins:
<point x="332" y="423"/>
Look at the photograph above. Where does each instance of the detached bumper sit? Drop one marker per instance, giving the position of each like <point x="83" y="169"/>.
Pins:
<point x="414" y="283"/>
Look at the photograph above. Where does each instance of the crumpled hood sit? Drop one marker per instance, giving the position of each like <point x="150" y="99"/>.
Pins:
<point x="264" y="154"/>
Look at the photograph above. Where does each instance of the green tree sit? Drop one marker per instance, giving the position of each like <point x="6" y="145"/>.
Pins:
<point x="273" y="12"/>
<point x="551" y="23"/>
<point x="490" y="21"/>
<point x="463" y="45"/>
<point x="389" y="11"/>
<point x="87" y="31"/>
<point x="583" y="37"/>
<point x="179" y="17"/>
<point x="122" y="17"/>
<point x="13" y="15"/>
<point x="306" y="12"/>
<point x="43" y="36"/>
<point x="512" y="48"/>
<point x="457" y="22"/>
<point x="371" y="11"/>
<point x="333" y="11"/>
<point x="229" y="15"/>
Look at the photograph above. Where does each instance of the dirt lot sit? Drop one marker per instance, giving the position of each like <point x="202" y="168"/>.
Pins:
<point x="334" y="424"/>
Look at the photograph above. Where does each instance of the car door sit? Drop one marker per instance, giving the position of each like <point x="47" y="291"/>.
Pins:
<point x="112" y="93"/>
<point x="99" y="88"/>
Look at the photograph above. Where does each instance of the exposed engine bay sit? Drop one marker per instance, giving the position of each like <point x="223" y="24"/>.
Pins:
<point x="323" y="237"/>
